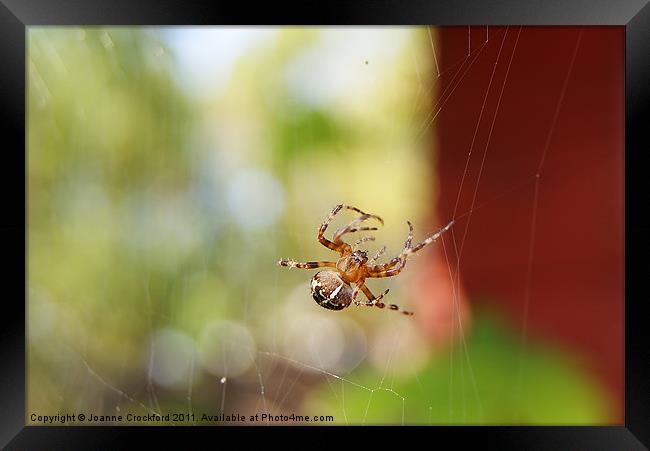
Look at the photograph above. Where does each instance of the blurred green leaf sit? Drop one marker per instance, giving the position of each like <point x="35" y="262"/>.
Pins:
<point x="492" y="382"/>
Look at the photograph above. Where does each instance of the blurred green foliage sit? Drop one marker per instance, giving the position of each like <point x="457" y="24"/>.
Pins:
<point x="107" y="133"/>
<point x="487" y="380"/>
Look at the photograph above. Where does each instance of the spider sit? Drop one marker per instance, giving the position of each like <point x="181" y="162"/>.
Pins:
<point x="332" y="289"/>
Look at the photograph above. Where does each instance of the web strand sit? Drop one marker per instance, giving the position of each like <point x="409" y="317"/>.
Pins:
<point x="533" y="226"/>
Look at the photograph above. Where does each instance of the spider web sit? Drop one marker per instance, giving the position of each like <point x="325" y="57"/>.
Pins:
<point x="275" y="382"/>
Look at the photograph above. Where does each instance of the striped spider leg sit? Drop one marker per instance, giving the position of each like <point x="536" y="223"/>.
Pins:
<point x="374" y="301"/>
<point x="389" y="269"/>
<point x="338" y="245"/>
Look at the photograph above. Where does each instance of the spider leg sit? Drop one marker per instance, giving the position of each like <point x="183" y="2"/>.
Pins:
<point x="354" y="226"/>
<point x="409" y="239"/>
<point x="386" y="271"/>
<point x="374" y="301"/>
<point x="338" y="245"/>
<point x="306" y="265"/>
<point x="355" y="292"/>
<point x="399" y="259"/>
<point x="363" y="212"/>
<point x="363" y="239"/>
<point x="341" y="232"/>
<point x="379" y="253"/>
<point x="341" y="248"/>
<point x="427" y="241"/>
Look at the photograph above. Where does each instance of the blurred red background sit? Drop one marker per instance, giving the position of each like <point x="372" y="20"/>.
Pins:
<point x="574" y="286"/>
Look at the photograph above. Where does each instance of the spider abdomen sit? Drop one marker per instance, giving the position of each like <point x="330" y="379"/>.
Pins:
<point x="329" y="290"/>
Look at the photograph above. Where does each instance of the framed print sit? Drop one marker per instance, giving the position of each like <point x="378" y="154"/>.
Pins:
<point x="362" y="214"/>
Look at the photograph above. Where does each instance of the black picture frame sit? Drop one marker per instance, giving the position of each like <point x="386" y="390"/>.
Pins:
<point x="17" y="15"/>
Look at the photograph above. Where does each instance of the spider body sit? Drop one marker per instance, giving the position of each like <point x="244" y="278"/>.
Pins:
<point x="352" y="267"/>
<point x="332" y="288"/>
